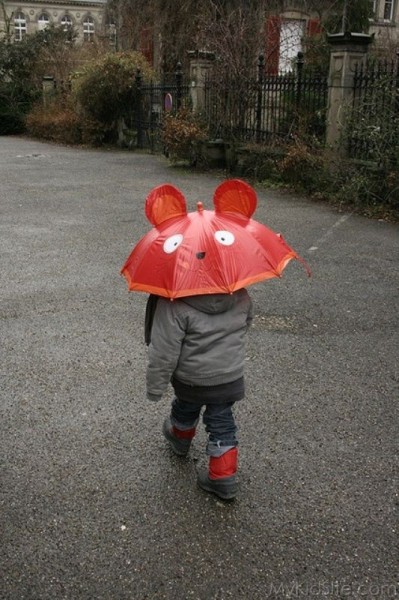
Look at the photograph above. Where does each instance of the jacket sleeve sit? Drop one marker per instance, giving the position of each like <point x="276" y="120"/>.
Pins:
<point x="168" y="332"/>
<point x="249" y="307"/>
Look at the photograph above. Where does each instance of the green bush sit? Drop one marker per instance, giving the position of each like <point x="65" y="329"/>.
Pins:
<point x="15" y="102"/>
<point x="101" y="94"/>
<point x="22" y="66"/>
<point x="11" y="122"/>
<point x="104" y="89"/>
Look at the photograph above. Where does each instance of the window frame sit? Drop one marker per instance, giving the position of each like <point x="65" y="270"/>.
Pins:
<point x="66" y="22"/>
<point x="111" y="30"/>
<point x="20" y="26"/>
<point x="292" y="32"/>
<point x="388" y="3"/>
<point x="89" y="28"/>
<point x="41" y="20"/>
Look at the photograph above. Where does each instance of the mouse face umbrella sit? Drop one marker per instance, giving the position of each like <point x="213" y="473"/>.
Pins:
<point x="205" y="252"/>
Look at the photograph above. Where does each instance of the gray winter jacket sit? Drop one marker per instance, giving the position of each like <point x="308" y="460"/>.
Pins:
<point x="200" y="340"/>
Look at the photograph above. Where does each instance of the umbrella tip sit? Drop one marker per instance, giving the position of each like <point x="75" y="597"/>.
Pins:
<point x="200" y="207"/>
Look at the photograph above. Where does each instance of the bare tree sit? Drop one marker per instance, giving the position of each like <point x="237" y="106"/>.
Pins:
<point x="174" y="29"/>
<point x="7" y="22"/>
<point x="236" y="30"/>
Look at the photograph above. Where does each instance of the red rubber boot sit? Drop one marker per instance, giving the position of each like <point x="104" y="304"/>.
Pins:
<point x="179" y="440"/>
<point x="221" y="476"/>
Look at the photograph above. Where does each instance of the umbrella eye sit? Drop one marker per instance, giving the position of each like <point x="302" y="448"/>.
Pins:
<point x="172" y="243"/>
<point x="226" y="238"/>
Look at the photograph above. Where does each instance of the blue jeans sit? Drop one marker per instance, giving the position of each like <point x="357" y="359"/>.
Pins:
<point x="218" y="420"/>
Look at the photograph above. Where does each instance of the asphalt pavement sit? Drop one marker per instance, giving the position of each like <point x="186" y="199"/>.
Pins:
<point x="94" y="505"/>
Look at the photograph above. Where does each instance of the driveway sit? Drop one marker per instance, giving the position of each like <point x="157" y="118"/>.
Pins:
<point x="94" y="506"/>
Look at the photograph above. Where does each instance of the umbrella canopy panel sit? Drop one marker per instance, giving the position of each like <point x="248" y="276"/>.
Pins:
<point x="204" y="252"/>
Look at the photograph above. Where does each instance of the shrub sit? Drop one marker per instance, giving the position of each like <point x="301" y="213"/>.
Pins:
<point x="304" y="167"/>
<point x="182" y="133"/>
<point x="12" y="117"/>
<point x="371" y="134"/>
<point x="22" y="67"/>
<point x="258" y="161"/>
<point x="371" y="190"/>
<point x="94" y="133"/>
<point x="56" y="122"/>
<point x="104" y="88"/>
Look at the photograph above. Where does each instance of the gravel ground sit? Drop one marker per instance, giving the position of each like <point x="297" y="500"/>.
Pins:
<point x="94" y="506"/>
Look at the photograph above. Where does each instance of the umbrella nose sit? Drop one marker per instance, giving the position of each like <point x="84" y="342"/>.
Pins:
<point x="200" y="255"/>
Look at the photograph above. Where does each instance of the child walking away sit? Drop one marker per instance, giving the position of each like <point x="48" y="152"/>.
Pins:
<point x="196" y="267"/>
<point x="198" y="343"/>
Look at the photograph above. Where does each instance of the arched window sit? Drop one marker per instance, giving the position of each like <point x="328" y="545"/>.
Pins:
<point x="43" y="21"/>
<point x="66" y="22"/>
<point x="88" y="29"/>
<point x="19" y="26"/>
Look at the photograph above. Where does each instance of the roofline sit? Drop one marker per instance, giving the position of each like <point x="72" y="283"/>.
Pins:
<point x="49" y="3"/>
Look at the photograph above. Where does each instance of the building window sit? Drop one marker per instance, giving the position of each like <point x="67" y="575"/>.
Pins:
<point x="66" y="22"/>
<point x="388" y="10"/>
<point x="291" y="34"/>
<point x="19" y="26"/>
<point x="88" y="29"/>
<point x="43" y="22"/>
<point x="112" y="33"/>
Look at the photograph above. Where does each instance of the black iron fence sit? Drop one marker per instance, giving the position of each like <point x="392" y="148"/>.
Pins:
<point x="373" y="132"/>
<point x="264" y="109"/>
<point x="267" y="108"/>
<point x="270" y="109"/>
<point x="151" y="102"/>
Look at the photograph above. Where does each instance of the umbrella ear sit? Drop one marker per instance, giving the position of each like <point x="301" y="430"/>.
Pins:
<point x="164" y="202"/>
<point x="235" y="196"/>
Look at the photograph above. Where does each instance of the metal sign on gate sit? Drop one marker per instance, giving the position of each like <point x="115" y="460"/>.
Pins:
<point x="168" y="102"/>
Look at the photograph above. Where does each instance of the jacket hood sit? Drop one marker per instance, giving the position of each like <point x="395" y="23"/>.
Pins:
<point x="212" y="303"/>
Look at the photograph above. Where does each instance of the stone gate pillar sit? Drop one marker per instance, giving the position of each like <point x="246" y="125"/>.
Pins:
<point x="347" y="51"/>
<point x="48" y="89"/>
<point x="200" y="63"/>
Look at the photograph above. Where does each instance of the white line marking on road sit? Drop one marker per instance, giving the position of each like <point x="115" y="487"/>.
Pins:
<point x="328" y="233"/>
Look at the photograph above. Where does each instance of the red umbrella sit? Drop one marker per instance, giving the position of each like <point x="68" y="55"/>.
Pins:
<point x="205" y="252"/>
